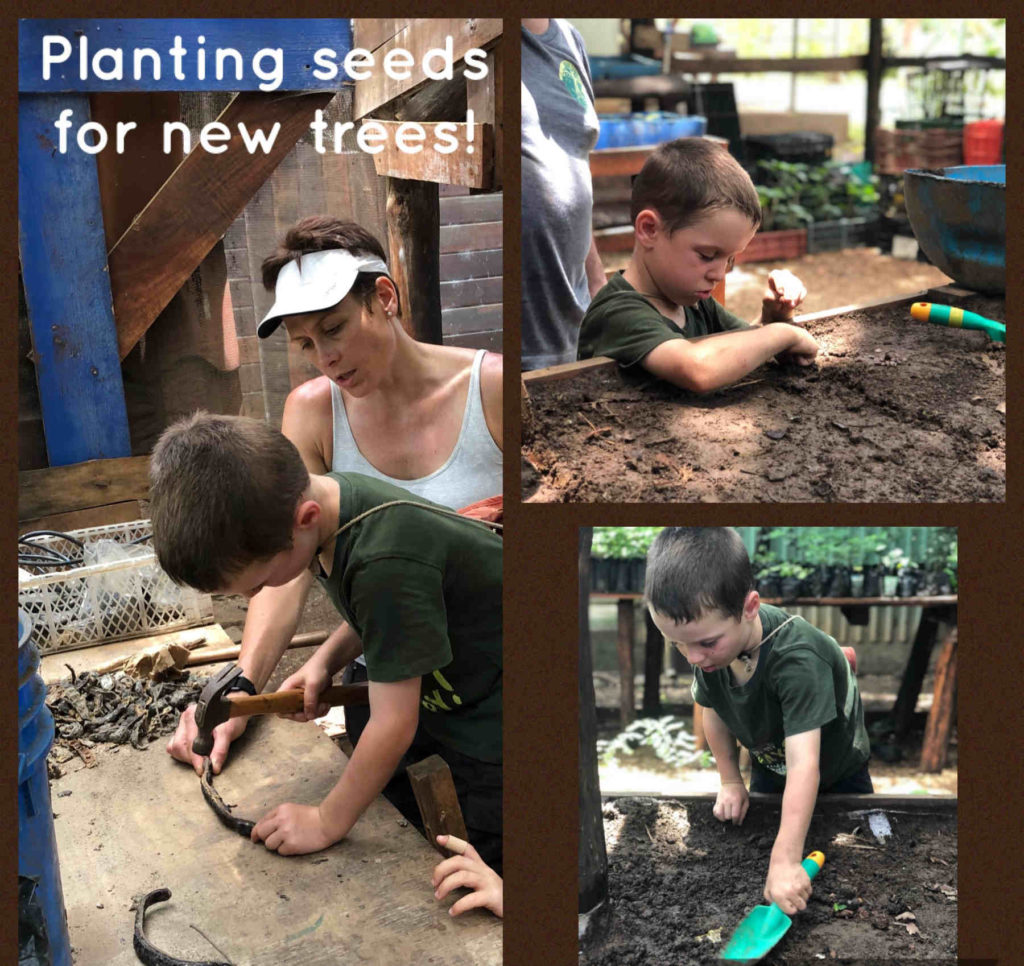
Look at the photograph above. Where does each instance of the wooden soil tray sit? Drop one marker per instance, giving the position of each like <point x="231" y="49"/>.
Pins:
<point x="680" y="882"/>
<point x="896" y="410"/>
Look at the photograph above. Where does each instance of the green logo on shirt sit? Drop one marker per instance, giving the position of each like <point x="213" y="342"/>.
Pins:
<point x="435" y="700"/>
<point x="570" y="76"/>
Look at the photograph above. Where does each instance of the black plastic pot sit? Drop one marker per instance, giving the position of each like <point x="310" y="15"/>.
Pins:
<point x="839" y="585"/>
<point x="907" y="586"/>
<point x="599" y="574"/>
<point x="934" y="584"/>
<point x="816" y="583"/>
<point x="872" y="582"/>
<point x="790" y="587"/>
<point x="620" y="579"/>
<point x="857" y="584"/>
<point x="769" y="587"/>
<point x="637" y="571"/>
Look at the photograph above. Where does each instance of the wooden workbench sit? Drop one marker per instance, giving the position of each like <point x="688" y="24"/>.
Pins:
<point x="137" y="821"/>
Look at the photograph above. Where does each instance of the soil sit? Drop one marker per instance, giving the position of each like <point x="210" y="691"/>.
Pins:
<point x="680" y="882"/>
<point x="895" y="410"/>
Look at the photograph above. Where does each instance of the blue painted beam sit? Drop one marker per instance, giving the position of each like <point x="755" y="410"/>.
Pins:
<point x="67" y="289"/>
<point x="293" y="70"/>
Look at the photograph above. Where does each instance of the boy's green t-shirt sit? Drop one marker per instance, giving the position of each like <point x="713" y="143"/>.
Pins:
<point x="802" y="681"/>
<point x="423" y="591"/>
<point x="623" y="324"/>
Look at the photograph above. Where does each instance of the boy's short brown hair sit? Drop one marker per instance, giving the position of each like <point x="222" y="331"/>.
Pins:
<point x="684" y="179"/>
<point x="692" y="571"/>
<point x="223" y="492"/>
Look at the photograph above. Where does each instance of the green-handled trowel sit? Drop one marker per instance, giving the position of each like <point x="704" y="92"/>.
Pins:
<point x="764" y="926"/>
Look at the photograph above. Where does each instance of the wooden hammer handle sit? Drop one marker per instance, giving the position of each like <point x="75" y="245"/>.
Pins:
<point x="290" y="702"/>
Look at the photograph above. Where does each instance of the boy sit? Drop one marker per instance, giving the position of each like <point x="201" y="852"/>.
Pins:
<point x="779" y="685"/>
<point x="694" y="209"/>
<point x="234" y="510"/>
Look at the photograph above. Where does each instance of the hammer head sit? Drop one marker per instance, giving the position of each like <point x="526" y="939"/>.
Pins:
<point x="213" y="708"/>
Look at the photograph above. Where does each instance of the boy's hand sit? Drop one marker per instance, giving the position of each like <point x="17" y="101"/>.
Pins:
<point x="468" y="871"/>
<point x="312" y="679"/>
<point x="292" y="829"/>
<point x="783" y="295"/>
<point x="788" y="886"/>
<point x="180" y="745"/>
<point x="803" y="349"/>
<point x="732" y="803"/>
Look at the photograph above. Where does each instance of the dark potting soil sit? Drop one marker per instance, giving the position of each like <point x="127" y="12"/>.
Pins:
<point x="680" y="881"/>
<point x="894" y="410"/>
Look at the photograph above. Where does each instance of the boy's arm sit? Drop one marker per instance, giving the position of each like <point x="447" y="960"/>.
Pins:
<point x="705" y="364"/>
<point x="787" y="884"/>
<point x="292" y="829"/>
<point x="732" y="801"/>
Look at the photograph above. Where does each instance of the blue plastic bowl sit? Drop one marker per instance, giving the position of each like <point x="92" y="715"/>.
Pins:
<point x="959" y="218"/>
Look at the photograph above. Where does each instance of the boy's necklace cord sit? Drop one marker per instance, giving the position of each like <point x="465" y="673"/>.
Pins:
<point x="748" y="665"/>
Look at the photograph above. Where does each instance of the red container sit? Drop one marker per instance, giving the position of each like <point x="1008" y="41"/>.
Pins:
<point x="983" y="142"/>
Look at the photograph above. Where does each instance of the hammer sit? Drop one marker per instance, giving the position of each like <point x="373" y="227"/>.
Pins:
<point x="215" y="707"/>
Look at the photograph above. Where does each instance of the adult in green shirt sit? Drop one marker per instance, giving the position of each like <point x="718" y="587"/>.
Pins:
<point x="234" y="510"/>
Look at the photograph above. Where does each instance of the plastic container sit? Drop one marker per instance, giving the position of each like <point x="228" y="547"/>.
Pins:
<point x="809" y="147"/>
<point x="126" y="598"/>
<point x="983" y="142"/>
<point x="37" y="844"/>
<point x="652" y="127"/>
<point x="632" y="66"/>
<point x="833" y="236"/>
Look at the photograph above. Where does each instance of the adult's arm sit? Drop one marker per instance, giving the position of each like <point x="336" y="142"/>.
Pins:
<point x="594" y="268"/>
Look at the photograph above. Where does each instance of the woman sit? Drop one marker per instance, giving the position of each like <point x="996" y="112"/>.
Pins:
<point x="425" y="417"/>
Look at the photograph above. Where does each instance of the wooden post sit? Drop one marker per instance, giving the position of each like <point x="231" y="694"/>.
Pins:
<point x="654" y="648"/>
<point x="943" y="710"/>
<point x="700" y="742"/>
<point x="414" y="239"/>
<point x="626" y="639"/>
<point x="913" y="674"/>
<point x="874" y="85"/>
<point x="593" y="858"/>
<point x="432" y="784"/>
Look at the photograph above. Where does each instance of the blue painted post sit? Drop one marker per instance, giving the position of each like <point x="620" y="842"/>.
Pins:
<point x="67" y="288"/>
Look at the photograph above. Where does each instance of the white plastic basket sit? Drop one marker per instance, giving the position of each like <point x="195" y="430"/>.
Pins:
<point x="85" y="605"/>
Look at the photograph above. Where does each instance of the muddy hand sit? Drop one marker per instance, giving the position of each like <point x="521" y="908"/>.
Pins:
<point x="180" y="744"/>
<point x="783" y="295"/>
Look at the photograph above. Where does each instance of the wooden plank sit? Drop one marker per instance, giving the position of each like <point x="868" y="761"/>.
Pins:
<point x="96" y="516"/>
<point x="369" y="895"/>
<point x="194" y="208"/>
<point x="59" y="489"/>
<point x="612" y="161"/>
<point x="67" y="289"/>
<point x="469" y="238"/>
<point x="419" y="38"/>
<point x="470" y="165"/>
<point x="914" y="672"/>
<point x="476" y="318"/>
<point x="485" y="97"/>
<point x="478" y="264"/>
<point x="937" y="603"/>
<point x="569" y="370"/>
<point x="413" y="229"/>
<point x="471" y="209"/>
<point x="617" y="239"/>
<point x="860" y="307"/>
<point x="491" y="341"/>
<point x="369" y="34"/>
<point x="935" y="748"/>
<point x="624" y="646"/>
<point x="295" y="38"/>
<point x="654" y="651"/>
<point x="431" y="781"/>
<point x="472" y="291"/>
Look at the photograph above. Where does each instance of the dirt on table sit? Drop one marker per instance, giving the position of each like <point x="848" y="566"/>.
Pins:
<point x="895" y="410"/>
<point x="680" y="882"/>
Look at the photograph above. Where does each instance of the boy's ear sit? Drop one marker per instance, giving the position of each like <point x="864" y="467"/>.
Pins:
<point x="647" y="227"/>
<point x="751" y="605"/>
<point x="307" y="514"/>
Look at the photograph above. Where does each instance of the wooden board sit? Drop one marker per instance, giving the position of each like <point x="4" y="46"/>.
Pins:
<point x="194" y="208"/>
<point x="95" y="516"/>
<point x="471" y="164"/>
<point x="469" y="238"/>
<point x="418" y="38"/>
<point x="137" y="821"/>
<point x="60" y="489"/>
<point x="53" y="667"/>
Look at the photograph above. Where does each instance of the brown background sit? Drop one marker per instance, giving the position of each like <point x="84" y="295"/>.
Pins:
<point x="541" y="635"/>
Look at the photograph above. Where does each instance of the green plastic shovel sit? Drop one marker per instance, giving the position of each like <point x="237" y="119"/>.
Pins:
<point x="764" y="926"/>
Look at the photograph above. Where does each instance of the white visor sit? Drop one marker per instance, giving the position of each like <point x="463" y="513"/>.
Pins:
<point x="316" y="282"/>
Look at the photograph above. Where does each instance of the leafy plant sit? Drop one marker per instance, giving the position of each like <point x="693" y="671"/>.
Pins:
<point x="667" y="737"/>
<point x="623" y="542"/>
<point x="794" y="195"/>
